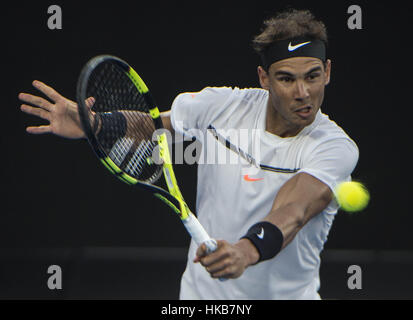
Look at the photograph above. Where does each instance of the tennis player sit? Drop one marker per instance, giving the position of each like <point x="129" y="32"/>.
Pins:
<point x="274" y="221"/>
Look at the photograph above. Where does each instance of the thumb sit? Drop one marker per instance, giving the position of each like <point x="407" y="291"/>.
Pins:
<point x="90" y="102"/>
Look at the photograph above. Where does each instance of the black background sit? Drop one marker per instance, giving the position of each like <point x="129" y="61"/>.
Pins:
<point x="55" y="194"/>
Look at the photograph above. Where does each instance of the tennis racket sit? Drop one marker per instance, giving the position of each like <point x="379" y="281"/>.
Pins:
<point x="120" y="120"/>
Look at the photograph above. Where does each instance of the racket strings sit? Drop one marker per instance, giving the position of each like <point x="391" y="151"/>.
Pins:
<point x="129" y="146"/>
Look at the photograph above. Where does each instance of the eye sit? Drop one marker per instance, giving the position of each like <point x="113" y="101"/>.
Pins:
<point x="313" y="76"/>
<point x="285" y="79"/>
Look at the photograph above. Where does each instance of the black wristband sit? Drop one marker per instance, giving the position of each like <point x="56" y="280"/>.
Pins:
<point x="267" y="238"/>
<point x="113" y="125"/>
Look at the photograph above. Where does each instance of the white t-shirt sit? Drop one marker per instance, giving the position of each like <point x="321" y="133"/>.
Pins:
<point x="234" y="195"/>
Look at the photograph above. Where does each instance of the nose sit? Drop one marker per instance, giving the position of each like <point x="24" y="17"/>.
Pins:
<point x="301" y="90"/>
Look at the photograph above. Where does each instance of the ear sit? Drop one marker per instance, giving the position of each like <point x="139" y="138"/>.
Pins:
<point x="263" y="77"/>
<point x="328" y="71"/>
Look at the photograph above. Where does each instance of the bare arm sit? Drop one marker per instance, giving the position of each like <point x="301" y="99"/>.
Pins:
<point x="166" y="121"/>
<point x="299" y="199"/>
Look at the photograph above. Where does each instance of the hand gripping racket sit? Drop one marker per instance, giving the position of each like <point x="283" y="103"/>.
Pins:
<point x="120" y="119"/>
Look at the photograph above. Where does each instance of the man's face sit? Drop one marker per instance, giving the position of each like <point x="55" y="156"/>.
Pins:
<point x="296" y="92"/>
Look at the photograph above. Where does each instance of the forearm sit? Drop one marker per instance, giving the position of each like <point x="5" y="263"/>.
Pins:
<point x="300" y="199"/>
<point x="133" y="124"/>
<point x="139" y="124"/>
<point x="289" y="219"/>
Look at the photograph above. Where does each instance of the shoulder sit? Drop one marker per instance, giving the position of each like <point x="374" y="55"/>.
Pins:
<point x="200" y="109"/>
<point x="251" y="93"/>
<point x="219" y="99"/>
<point x="329" y="154"/>
<point x="329" y="145"/>
<point x="207" y="92"/>
<point x="328" y="131"/>
<point x="234" y="92"/>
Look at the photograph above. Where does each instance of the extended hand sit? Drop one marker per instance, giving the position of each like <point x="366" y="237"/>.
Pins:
<point x="62" y="114"/>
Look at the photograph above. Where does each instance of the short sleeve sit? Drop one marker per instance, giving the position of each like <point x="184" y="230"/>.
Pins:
<point x="332" y="162"/>
<point x="192" y="112"/>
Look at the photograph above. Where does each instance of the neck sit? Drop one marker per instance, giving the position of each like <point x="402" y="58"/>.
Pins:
<point x="277" y="125"/>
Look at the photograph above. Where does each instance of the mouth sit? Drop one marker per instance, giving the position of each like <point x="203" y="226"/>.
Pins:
<point x="304" y="112"/>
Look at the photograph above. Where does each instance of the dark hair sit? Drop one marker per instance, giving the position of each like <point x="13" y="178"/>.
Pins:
<point x="289" y="24"/>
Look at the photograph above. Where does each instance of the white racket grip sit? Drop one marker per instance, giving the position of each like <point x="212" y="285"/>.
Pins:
<point x="200" y="236"/>
<point x="198" y="233"/>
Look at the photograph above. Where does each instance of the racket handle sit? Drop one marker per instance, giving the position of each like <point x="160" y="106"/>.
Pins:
<point x="198" y="233"/>
<point x="200" y="236"/>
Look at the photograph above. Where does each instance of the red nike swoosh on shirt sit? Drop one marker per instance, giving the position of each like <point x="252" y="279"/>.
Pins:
<point x="247" y="178"/>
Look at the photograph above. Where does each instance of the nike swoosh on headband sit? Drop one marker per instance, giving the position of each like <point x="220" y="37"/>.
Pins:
<point x="292" y="48"/>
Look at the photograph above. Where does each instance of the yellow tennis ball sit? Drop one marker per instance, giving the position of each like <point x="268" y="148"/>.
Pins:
<point x="352" y="196"/>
